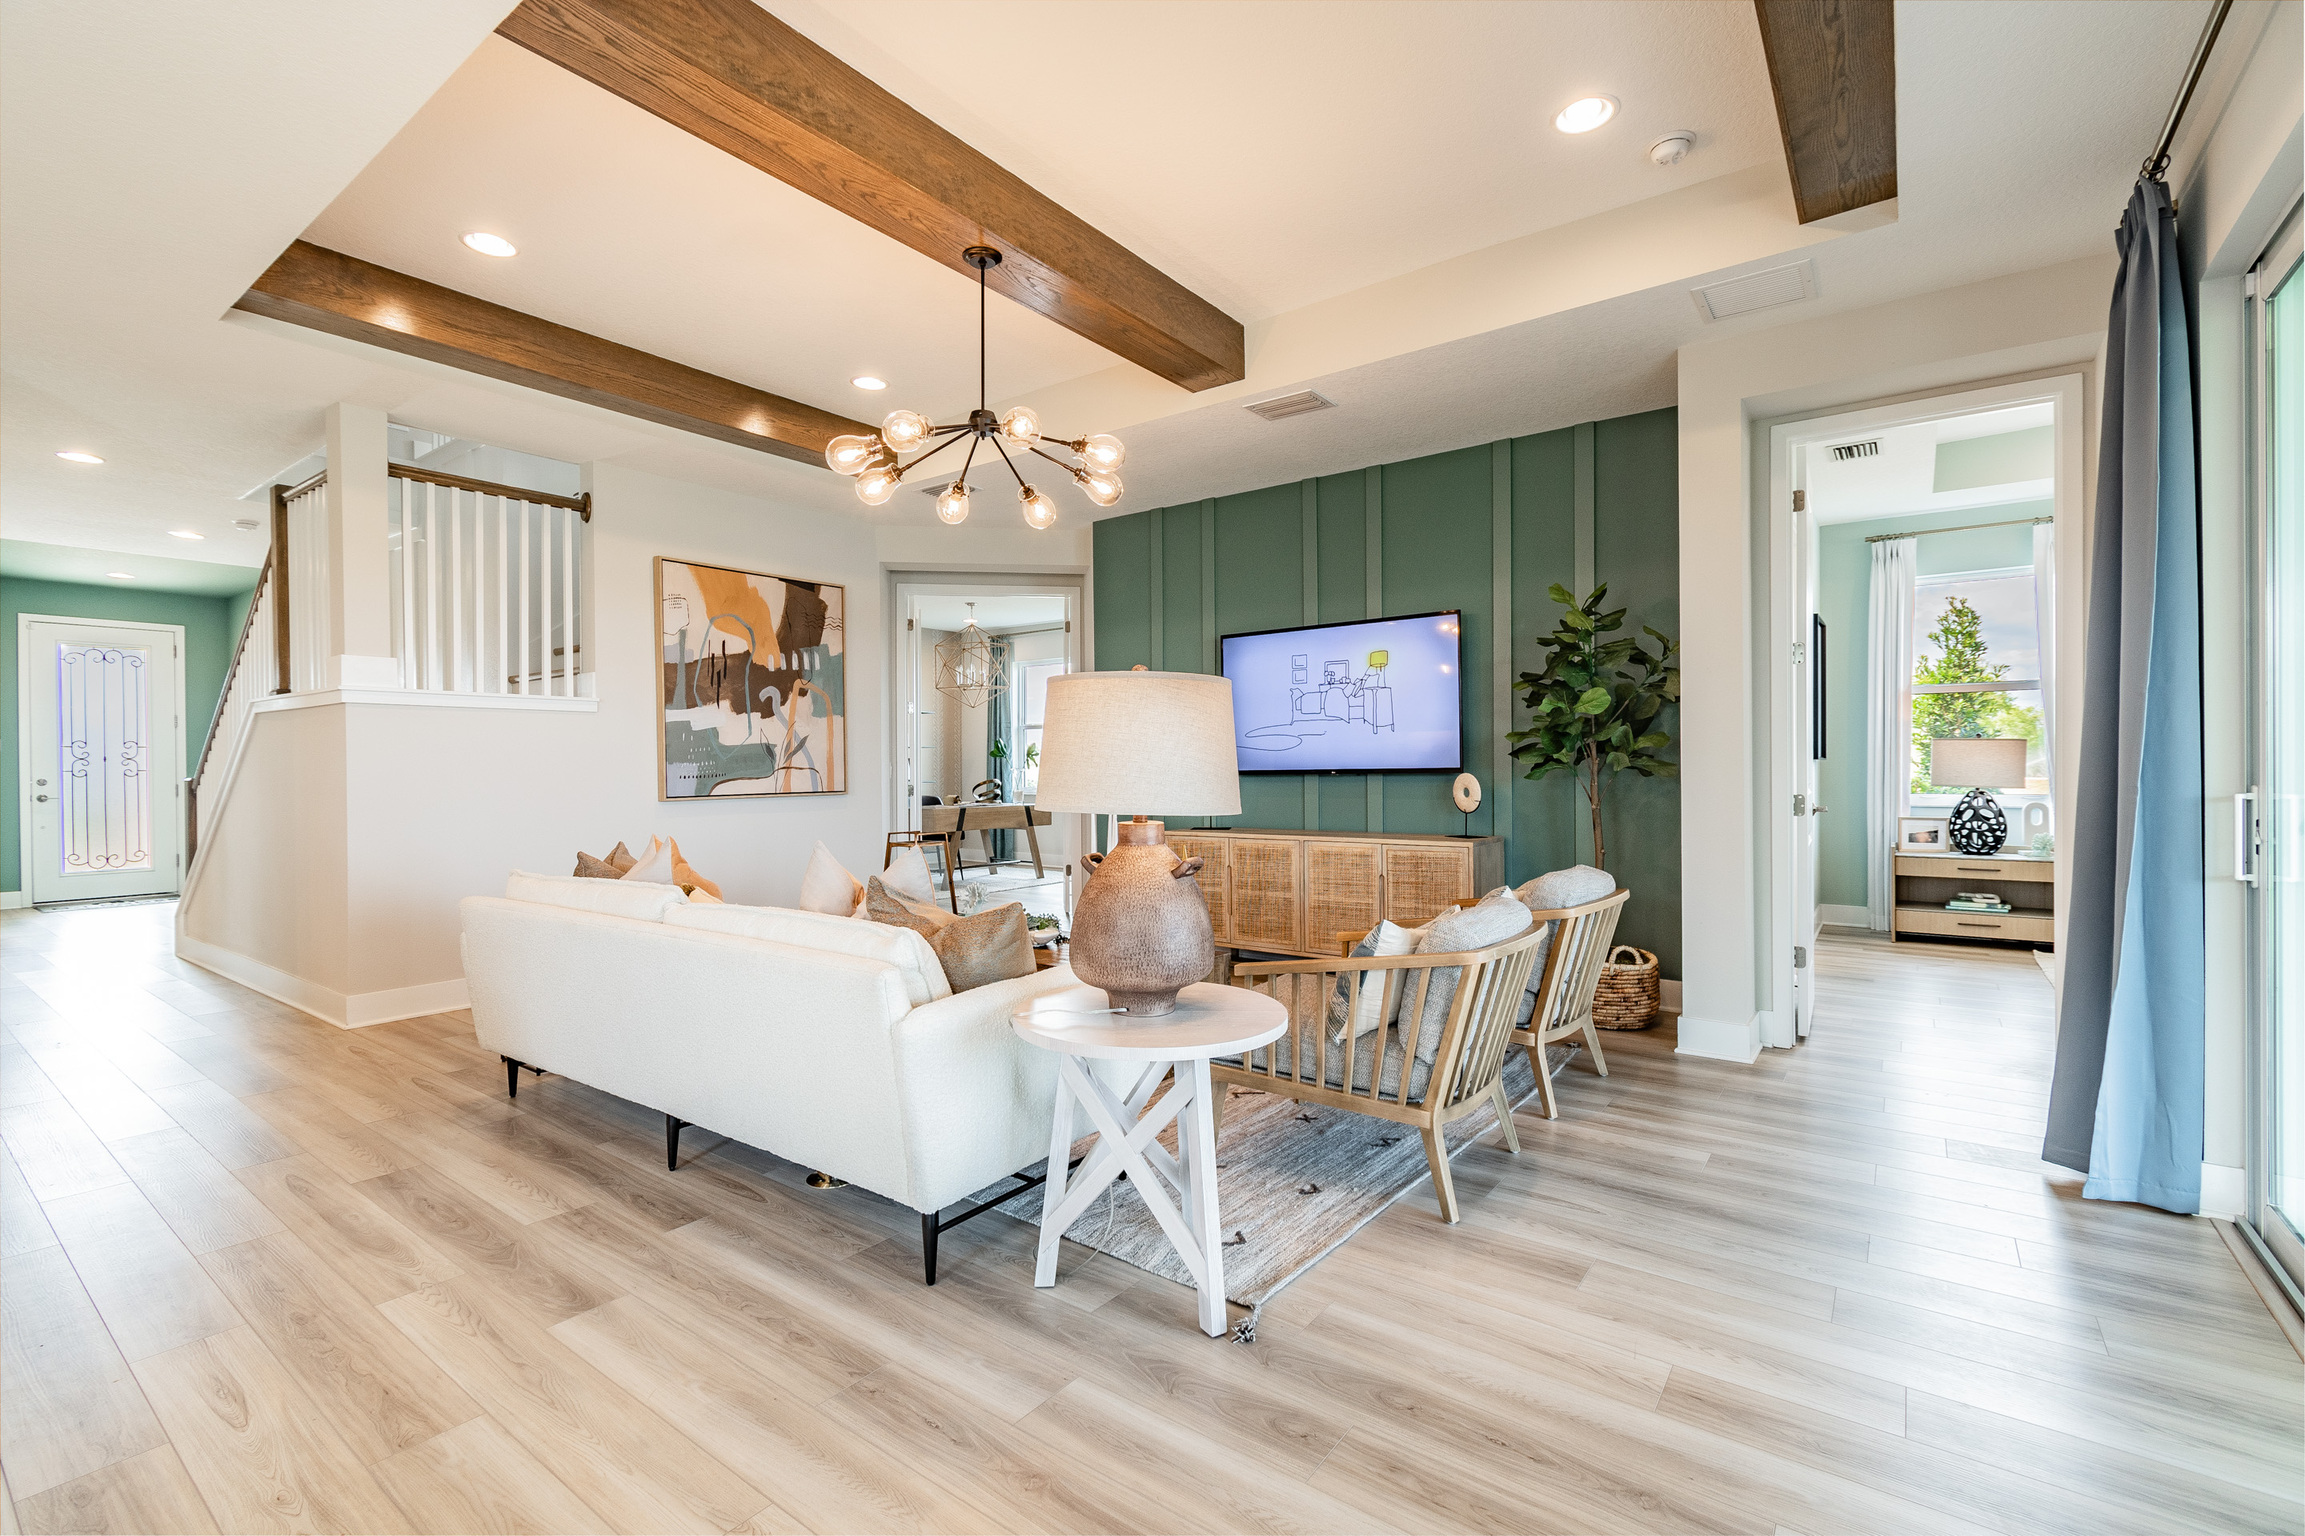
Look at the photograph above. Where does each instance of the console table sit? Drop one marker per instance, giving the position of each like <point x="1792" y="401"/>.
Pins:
<point x="1291" y="893"/>
<point x="2026" y="881"/>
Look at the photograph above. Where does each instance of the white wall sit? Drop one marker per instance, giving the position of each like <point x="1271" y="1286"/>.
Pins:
<point x="2238" y="169"/>
<point x="2027" y="325"/>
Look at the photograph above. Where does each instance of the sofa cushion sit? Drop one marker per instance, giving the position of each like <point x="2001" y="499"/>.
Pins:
<point x="590" y="868"/>
<point x="1380" y="990"/>
<point x="828" y="887"/>
<point x="640" y="899"/>
<point x="924" y="980"/>
<point x="883" y="905"/>
<point x="907" y="875"/>
<point x="985" y="947"/>
<point x="685" y="876"/>
<point x="654" y="864"/>
<point x="1497" y="918"/>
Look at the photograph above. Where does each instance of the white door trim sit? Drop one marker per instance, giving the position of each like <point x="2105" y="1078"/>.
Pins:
<point x="2064" y="392"/>
<point x="24" y="623"/>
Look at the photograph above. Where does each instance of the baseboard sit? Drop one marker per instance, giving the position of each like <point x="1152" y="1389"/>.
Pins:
<point x="11" y="900"/>
<point x="1719" y="1039"/>
<point x="1844" y="917"/>
<point x="2224" y="1191"/>
<point x="345" y="1011"/>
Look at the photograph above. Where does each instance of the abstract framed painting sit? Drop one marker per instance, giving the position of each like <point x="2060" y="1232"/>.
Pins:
<point x="751" y="693"/>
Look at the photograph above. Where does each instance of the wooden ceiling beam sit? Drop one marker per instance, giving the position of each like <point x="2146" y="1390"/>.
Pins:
<point x="733" y="75"/>
<point x="1833" y="66"/>
<point x="326" y="290"/>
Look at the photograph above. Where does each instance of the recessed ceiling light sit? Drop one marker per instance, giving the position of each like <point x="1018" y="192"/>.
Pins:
<point x="867" y="381"/>
<point x="491" y="245"/>
<point x="1586" y="115"/>
<point x="119" y="575"/>
<point x="185" y="533"/>
<point x="77" y="457"/>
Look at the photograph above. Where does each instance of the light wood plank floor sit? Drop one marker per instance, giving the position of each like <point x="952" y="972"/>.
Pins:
<point x="262" y="1274"/>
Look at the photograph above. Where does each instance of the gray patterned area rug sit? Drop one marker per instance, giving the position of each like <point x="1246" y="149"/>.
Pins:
<point x="1294" y="1181"/>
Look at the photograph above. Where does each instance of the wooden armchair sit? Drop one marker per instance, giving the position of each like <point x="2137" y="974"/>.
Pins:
<point x="1565" y="993"/>
<point x="1377" y="1073"/>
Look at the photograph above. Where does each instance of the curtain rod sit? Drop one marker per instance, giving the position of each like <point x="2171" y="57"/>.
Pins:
<point x="2158" y="161"/>
<point x="2012" y="522"/>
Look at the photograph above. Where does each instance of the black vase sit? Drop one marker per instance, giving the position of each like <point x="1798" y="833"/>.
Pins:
<point x="1978" y="824"/>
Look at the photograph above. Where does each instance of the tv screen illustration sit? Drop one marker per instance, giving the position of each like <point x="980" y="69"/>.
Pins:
<point x="1369" y="697"/>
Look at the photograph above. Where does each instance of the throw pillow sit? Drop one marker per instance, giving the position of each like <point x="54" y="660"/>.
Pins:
<point x="1571" y="887"/>
<point x="654" y="864"/>
<point x="687" y="878"/>
<point x="925" y="918"/>
<point x="907" y="875"/>
<point x="1380" y="990"/>
<point x="620" y="858"/>
<point x="827" y="887"/>
<point x="985" y="947"/>
<point x="590" y="868"/>
<point x="1494" y="920"/>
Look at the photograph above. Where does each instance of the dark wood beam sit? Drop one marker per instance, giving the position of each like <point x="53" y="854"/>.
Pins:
<point x="1833" y="65"/>
<point x="744" y="82"/>
<point x="329" y="291"/>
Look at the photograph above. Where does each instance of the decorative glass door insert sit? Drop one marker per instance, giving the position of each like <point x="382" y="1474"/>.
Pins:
<point x="104" y="738"/>
<point x="104" y="767"/>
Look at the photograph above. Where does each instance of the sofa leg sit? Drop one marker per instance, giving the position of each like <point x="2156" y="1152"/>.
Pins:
<point x="928" y="1230"/>
<point x="512" y="1077"/>
<point x="672" y="1142"/>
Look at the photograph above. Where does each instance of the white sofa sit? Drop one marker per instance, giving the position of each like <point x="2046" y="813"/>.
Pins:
<point x="831" y="1041"/>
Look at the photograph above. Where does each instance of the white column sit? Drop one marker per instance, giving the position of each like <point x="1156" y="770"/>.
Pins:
<point x="359" y="577"/>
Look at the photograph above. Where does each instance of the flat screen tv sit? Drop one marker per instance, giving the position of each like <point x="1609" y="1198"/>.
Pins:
<point x="1368" y="697"/>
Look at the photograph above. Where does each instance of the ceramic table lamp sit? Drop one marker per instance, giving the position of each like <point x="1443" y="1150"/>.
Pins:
<point x="1114" y="741"/>
<point x="1979" y="763"/>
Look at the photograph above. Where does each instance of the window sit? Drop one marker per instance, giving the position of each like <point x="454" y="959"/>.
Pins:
<point x="1033" y="690"/>
<point x="1977" y="672"/>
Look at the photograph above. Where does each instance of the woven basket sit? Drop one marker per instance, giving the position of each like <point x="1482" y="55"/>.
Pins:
<point x="1628" y="995"/>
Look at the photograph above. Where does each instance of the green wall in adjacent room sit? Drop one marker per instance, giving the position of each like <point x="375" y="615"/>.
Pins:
<point x="211" y="624"/>
<point x="1844" y="598"/>
<point x="1485" y="530"/>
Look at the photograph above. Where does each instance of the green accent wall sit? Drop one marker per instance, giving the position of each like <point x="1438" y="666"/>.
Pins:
<point x="1485" y="530"/>
<point x="211" y="624"/>
<point x="1844" y="598"/>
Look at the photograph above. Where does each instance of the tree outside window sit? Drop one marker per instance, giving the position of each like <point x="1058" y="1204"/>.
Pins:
<point x="1976" y="669"/>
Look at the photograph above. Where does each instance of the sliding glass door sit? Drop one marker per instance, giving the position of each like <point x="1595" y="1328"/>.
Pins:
<point x="2277" y="828"/>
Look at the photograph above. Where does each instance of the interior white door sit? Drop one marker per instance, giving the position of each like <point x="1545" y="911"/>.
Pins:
<point x="1809" y="677"/>
<point x="102" y="716"/>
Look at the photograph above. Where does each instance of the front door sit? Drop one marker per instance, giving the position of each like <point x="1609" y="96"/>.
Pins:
<point x="102" y="716"/>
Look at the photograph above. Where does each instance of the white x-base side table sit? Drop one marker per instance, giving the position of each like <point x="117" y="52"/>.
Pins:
<point x="1208" y="1021"/>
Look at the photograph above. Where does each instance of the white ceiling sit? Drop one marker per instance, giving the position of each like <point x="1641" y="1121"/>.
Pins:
<point x="1375" y="189"/>
<point x="1902" y="476"/>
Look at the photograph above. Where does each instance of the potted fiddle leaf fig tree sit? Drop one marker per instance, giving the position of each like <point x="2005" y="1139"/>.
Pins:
<point x="1593" y="707"/>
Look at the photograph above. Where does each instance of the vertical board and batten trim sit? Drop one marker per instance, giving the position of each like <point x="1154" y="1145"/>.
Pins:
<point x="1156" y="561"/>
<point x="1500" y="796"/>
<point x="1582" y="439"/>
<point x="1373" y="482"/>
<point x="1209" y="585"/>
<point x="1309" y="515"/>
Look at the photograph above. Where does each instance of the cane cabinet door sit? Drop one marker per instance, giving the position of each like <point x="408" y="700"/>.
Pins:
<point x="1342" y="880"/>
<point x="1212" y="878"/>
<point x="1267" y="906"/>
<point x="1422" y="879"/>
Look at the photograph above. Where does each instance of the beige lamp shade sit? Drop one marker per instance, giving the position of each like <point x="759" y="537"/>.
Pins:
<point x="1146" y="743"/>
<point x="1978" y="762"/>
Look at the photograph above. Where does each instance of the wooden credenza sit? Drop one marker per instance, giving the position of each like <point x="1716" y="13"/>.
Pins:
<point x="2026" y="881"/>
<point x="1292" y="893"/>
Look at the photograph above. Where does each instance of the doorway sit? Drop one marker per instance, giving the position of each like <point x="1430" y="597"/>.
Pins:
<point x="100" y="725"/>
<point x="1953" y="630"/>
<point x="974" y="656"/>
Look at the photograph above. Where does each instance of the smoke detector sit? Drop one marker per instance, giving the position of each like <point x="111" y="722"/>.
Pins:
<point x="1673" y="148"/>
<point x="246" y="524"/>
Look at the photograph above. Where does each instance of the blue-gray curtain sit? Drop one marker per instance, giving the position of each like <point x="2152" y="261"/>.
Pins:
<point x="2125" y="1104"/>
<point x="1000" y="717"/>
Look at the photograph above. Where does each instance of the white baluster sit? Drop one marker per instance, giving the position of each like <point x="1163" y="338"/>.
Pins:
<point x="456" y="590"/>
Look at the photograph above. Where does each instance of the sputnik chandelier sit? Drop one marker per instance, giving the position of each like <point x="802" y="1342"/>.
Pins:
<point x="877" y="462"/>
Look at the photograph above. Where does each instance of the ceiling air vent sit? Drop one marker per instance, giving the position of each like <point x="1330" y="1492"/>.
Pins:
<point x="1847" y="451"/>
<point x="1285" y="406"/>
<point x="1757" y="290"/>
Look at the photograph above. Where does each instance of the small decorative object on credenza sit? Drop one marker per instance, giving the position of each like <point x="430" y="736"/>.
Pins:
<point x="1468" y="793"/>
<point x="1161" y="739"/>
<point x="1978" y="825"/>
<point x="1921" y="834"/>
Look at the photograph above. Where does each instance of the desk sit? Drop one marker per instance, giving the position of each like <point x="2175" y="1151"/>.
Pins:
<point x="950" y="821"/>
<point x="1208" y="1021"/>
